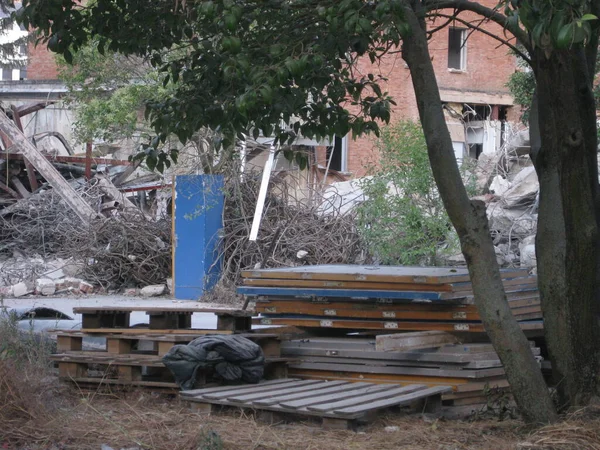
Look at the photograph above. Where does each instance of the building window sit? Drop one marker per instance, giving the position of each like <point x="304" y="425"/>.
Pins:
<point x="6" y="73"/>
<point x="457" y="49"/>
<point x="23" y="73"/>
<point x="338" y="154"/>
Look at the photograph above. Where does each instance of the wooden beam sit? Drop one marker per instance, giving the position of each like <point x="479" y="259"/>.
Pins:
<point x="22" y="190"/>
<point x="46" y="169"/>
<point x="33" y="185"/>
<point x="30" y="108"/>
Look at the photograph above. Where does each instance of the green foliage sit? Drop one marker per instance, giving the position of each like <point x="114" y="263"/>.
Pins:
<point x="404" y="220"/>
<point x="242" y="66"/>
<point x="522" y="87"/>
<point x="107" y="92"/>
<point x="559" y="25"/>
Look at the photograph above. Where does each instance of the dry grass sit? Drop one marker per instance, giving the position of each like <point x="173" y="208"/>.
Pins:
<point x="579" y="430"/>
<point x="148" y="422"/>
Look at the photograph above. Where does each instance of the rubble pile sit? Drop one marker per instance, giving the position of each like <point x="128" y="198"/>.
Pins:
<point x="512" y="204"/>
<point x="45" y="249"/>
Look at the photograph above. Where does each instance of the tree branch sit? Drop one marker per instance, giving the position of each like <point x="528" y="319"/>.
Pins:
<point x="490" y="13"/>
<point x="477" y="27"/>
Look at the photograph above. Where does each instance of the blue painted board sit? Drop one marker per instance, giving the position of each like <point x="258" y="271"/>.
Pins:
<point x="197" y="225"/>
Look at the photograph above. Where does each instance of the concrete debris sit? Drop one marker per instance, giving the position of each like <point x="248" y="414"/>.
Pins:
<point x="512" y="223"/>
<point x="45" y="286"/>
<point x="499" y="185"/>
<point x="170" y="285"/>
<point x="153" y="290"/>
<point x="391" y="429"/>
<point x="523" y="191"/>
<point x="6" y="291"/>
<point x="131" y="292"/>
<point x="22" y="288"/>
<point x="85" y="288"/>
<point x="527" y="252"/>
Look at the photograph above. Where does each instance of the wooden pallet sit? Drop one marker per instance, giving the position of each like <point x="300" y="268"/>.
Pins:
<point x="125" y="343"/>
<point x="339" y="404"/>
<point x="135" y="369"/>
<point x="162" y="317"/>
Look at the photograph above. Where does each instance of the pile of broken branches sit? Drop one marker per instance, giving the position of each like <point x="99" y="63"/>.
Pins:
<point x="123" y="249"/>
<point x="293" y="230"/>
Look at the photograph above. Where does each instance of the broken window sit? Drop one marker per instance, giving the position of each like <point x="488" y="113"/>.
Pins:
<point x="457" y="48"/>
<point x="337" y="153"/>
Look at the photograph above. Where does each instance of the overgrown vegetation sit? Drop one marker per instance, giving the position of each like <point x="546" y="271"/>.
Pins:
<point x="404" y="220"/>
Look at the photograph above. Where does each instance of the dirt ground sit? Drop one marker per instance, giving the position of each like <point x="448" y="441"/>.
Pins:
<point x="143" y="420"/>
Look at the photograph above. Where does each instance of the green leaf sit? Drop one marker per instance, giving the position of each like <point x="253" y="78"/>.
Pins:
<point x="565" y="35"/>
<point x="588" y="17"/>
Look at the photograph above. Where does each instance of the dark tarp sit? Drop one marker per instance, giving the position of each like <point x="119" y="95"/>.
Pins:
<point x="233" y="358"/>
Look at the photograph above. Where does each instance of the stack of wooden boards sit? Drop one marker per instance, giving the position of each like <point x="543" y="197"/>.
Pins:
<point x="382" y="298"/>
<point x="426" y="358"/>
<point x="133" y="355"/>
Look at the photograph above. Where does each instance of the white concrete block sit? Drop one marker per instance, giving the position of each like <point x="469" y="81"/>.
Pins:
<point x="45" y="286"/>
<point x="153" y="290"/>
<point x="22" y="288"/>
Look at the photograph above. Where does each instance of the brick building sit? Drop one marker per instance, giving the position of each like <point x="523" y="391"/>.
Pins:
<point x="472" y="70"/>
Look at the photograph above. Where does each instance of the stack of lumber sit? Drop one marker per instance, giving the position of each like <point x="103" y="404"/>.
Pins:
<point x="132" y="356"/>
<point x="429" y="358"/>
<point x="382" y="297"/>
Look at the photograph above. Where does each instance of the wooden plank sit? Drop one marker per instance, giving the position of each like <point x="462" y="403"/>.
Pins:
<point x="328" y="398"/>
<point x="398" y="370"/>
<point x="247" y="387"/>
<point x="257" y="388"/>
<point x="404" y="399"/>
<point x="341" y="323"/>
<point x="351" y="293"/>
<point x="413" y="341"/>
<point x="161" y="309"/>
<point x="327" y="387"/>
<point x="380" y="378"/>
<point x="147" y="332"/>
<point x="47" y="170"/>
<point x="369" y="399"/>
<point x="407" y="274"/>
<point x="114" y="381"/>
<point x="33" y="184"/>
<point x="445" y="365"/>
<point x="299" y="386"/>
<point x="510" y="284"/>
<point x="382" y="312"/>
<point x="424" y="355"/>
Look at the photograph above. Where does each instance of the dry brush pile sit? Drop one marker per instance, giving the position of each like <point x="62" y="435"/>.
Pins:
<point x="123" y="249"/>
<point x="292" y="232"/>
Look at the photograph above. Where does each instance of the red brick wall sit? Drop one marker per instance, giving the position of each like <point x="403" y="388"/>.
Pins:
<point x="42" y="64"/>
<point x="488" y="68"/>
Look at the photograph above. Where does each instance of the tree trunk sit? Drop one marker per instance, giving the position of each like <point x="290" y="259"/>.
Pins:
<point x="470" y="220"/>
<point x="567" y="236"/>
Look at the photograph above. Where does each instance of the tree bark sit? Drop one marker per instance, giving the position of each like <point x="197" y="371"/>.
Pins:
<point x="567" y="236"/>
<point x="470" y="220"/>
